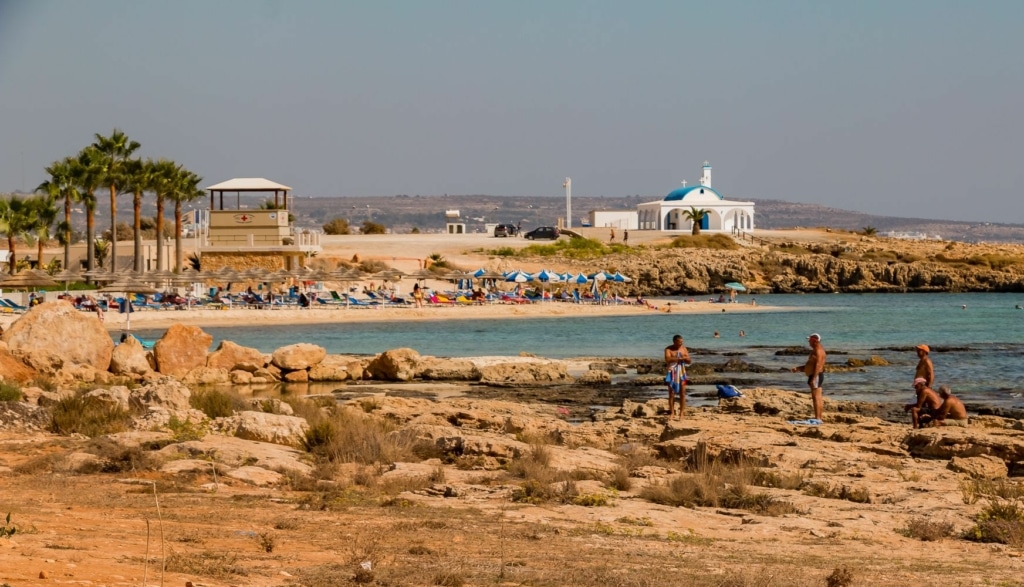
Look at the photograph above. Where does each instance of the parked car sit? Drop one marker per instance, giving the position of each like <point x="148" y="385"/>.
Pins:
<point x="505" y="230"/>
<point x="542" y="232"/>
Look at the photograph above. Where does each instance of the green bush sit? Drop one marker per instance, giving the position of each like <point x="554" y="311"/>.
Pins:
<point x="10" y="393"/>
<point x="337" y="226"/>
<point x="88" y="416"/>
<point x="373" y="228"/>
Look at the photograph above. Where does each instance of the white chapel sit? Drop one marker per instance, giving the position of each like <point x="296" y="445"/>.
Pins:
<point x="721" y="215"/>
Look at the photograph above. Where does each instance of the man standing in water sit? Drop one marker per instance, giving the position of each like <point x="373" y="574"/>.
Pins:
<point x="925" y="369"/>
<point x="814" y="368"/>
<point x="677" y="358"/>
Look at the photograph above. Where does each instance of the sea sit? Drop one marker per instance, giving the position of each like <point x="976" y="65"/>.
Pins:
<point x="977" y="340"/>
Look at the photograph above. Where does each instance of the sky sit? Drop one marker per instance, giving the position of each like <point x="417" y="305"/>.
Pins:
<point x="893" y="107"/>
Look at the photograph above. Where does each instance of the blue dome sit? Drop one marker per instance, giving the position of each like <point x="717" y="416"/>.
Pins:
<point x="681" y="193"/>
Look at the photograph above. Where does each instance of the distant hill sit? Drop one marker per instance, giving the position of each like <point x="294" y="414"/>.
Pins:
<point x="402" y="213"/>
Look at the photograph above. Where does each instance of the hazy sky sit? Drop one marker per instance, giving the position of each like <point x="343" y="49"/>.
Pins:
<point x="908" y="108"/>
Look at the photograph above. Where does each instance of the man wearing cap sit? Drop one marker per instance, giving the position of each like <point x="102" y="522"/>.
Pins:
<point x="925" y="369"/>
<point x="928" y="403"/>
<point x="952" y="412"/>
<point x="814" y="368"/>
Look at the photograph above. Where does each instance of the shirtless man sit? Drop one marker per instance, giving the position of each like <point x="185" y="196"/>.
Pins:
<point x="925" y="369"/>
<point x="814" y="369"/>
<point x="928" y="404"/>
<point x="676" y="358"/>
<point x="952" y="411"/>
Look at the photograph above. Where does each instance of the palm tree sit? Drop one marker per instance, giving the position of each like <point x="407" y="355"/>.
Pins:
<point x="61" y="185"/>
<point x="88" y="177"/>
<point x="15" y="220"/>
<point x="165" y="173"/>
<point x="186" y="189"/>
<point x="43" y="213"/>
<point x="116" y="151"/>
<point x="139" y="179"/>
<point x="696" y="215"/>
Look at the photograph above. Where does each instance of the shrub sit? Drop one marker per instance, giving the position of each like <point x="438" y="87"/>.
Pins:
<point x="10" y="393"/>
<point x="372" y="266"/>
<point x="370" y="227"/>
<point x="1001" y="521"/>
<point x="504" y="252"/>
<point x="839" y="491"/>
<point x="215" y="403"/>
<point x="620" y="479"/>
<point x="88" y="416"/>
<point x="840" y="577"/>
<point x="704" y="241"/>
<point x="185" y="430"/>
<point x="927" y="530"/>
<point x="348" y="436"/>
<point x="337" y="226"/>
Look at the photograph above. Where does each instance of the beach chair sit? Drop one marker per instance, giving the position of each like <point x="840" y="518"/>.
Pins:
<point x="337" y="298"/>
<point x="361" y="303"/>
<point x="12" y="306"/>
<point x="512" y="300"/>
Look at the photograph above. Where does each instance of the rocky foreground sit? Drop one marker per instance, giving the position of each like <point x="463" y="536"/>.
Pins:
<point x="115" y="476"/>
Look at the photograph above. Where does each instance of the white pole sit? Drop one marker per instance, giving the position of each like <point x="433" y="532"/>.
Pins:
<point x="568" y="202"/>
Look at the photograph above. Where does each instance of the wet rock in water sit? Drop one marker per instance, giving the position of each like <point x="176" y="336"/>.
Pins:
<point x="436" y="369"/>
<point x="792" y="351"/>
<point x="872" y="361"/>
<point x="741" y="366"/>
<point x="594" y="377"/>
<point x="181" y="349"/>
<point x="297" y="376"/>
<point x="933" y="348"/>
<point x="395" y="365"/>
<point x="514" y="374"/>
<point x="298" y="356"/>
<point x="59" y="328"/>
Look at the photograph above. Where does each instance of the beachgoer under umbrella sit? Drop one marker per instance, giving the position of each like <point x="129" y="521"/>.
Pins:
<point x="676" y="358"/>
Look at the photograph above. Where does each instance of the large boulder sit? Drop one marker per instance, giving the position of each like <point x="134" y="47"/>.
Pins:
<point x="229" y="356"/>
<point x="298" y="356"/>
<point x="206" y="376"/>
<point x="181" y="349"/>
<point x="395" y="365"/>
<point x="129" y="358"/>
<point x="335" y="368"/>
<point x="980" y="467"/>
<point x="61" y="329"/>
<point x="264" y="427"/>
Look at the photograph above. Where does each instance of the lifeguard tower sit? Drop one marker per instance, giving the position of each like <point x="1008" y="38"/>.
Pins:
<point x="254" y="235"/>
<point x="453" y="222"/>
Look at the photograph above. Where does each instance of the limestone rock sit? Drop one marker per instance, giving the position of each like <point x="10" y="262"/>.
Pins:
<point x="298" y="356"/>
<point x="271" y="405"/>
<point x="395" y="365"/>
<point x="947" y="442"/>
<point x="594" y="377"/>
<point x="257" y="476"/>
<point x="75" y="373"/>
<point x="520" y="373"/>
<point x="264" y="427"/>
<point x="167" y="393"/>
<point x="299" y="376"/>
<point x="129" y="358"/>
<point x="192" y="467"/>
<point x="181" y="349"/>
<point x="82" y="462"/>
<point x="117" y="395"/>
<point x="980" y="467"/>
<point x="206" y="376"/>
<point x="238" y="452"/>
<point x="240" y="377"/>
<point x="12" y="369"/>
<point x="230" y="355"/>
<point x="43" y="361"/>
<point x="436" y="369"/>
<point x="61" y="329"/>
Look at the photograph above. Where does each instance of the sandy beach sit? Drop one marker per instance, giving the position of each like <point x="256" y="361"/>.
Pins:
<point x="341" y="315"/>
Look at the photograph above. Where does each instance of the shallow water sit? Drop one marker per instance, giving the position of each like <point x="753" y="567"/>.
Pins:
<point x="984" y="367"/>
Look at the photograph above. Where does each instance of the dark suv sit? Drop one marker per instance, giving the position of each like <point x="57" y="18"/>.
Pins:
<point x="549" y="232"/>
<point x="505" y="230"/>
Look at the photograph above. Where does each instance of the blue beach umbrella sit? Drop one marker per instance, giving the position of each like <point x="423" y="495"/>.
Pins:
<point x="578" y="278"/>
<point x="620" y="278"/>
<point x="548" y="276"/>
<point x="736" y="286"/>
<point x="479" y="272"/>
<point x="519" y="277"/>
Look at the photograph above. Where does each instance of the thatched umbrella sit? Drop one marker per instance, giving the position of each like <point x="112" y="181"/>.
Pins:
<point x="67" y="276"/>
<point x="128" y="285"/>
<point x="28" y="279"/>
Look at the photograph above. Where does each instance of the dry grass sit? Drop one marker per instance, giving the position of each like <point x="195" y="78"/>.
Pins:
<point x="88" y="416"/>
<point x="217" y="403"/>
<point x="838" y="491"/>
<point x="10" y="393"/>
<point x="345" y="435"/>
<point x="927" y="530"/>
<point x="704" y="241"/>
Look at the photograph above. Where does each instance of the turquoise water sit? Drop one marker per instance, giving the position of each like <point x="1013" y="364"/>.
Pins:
<point x="985" y="367"/>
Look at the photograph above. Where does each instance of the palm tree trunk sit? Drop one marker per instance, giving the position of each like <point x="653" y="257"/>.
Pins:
<point x="113" y="228"/>
<point x="90" y="238"/>
<point x="39" y="253"/>
<point x="160" y="233"/>
<point x="13" y="256"/>
<point x="67" y="233"/>
<point x="178" y="257"/>
<point x="137" y="204"/>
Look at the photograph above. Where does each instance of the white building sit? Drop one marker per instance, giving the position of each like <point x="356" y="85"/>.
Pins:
<point x="721" y="215"/>
<point x="621" y="219"/>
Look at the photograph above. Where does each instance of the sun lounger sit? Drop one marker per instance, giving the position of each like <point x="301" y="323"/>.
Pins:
<point x="512" y="300"/>
<point x="10" y="305"/>
<point x="361" y="303"/>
